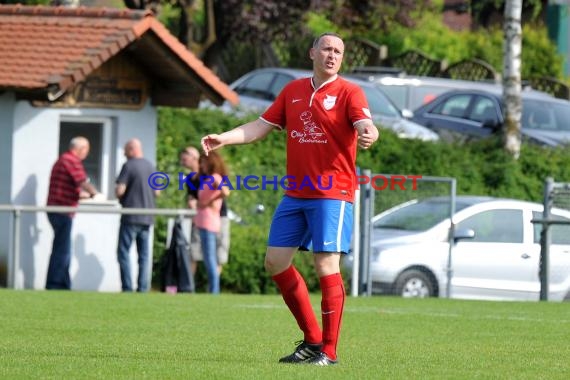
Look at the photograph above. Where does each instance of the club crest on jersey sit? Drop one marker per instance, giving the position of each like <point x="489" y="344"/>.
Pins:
<point x="329" y="102"/>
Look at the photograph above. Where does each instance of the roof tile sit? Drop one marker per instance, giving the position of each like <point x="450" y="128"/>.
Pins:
<point x="41" y="46"/>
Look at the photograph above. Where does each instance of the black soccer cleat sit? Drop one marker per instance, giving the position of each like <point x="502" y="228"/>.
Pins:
<point x="321" y="359"/>
<point x="302" y="353"/>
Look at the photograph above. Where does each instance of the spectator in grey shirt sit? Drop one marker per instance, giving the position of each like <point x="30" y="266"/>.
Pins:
<point x="133" y="191"/>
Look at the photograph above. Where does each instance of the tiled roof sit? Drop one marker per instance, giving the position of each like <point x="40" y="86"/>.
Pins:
<point x="49" y="49"/>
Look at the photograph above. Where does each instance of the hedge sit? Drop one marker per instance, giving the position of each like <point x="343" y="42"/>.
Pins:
<point x="481" y="168"/>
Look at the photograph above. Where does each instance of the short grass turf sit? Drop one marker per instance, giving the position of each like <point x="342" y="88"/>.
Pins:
<point x="88" y="335"/>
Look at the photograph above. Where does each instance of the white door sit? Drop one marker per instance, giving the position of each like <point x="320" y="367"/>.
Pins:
<point x="496" y="263"/>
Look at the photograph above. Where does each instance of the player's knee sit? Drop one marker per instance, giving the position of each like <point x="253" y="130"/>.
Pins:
<point x="274" y="266"/>
<point x="269" y="265"/>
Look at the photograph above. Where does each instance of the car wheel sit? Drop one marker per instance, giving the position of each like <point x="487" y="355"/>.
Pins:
<point x="414" y="283"/>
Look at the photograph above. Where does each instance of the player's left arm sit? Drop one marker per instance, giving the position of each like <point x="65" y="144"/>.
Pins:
<point x="359" y="113"/>
<point x="367" y="133"/>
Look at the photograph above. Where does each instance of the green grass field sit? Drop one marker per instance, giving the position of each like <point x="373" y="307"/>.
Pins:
<point x="79" y="335"/>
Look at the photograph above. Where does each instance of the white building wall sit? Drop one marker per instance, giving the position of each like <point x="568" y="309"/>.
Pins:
<point x="6" y="127"/>
<point x="94" y="236"/>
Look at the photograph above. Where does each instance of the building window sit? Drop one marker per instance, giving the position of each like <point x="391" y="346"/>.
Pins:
<point x="98" y="162"/>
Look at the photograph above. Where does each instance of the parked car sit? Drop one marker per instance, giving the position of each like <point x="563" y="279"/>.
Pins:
<point x="495" y="252"/>
<point x="409" y="92"/>
<point x="466" y="114"/>
<point x="258" y="88"/>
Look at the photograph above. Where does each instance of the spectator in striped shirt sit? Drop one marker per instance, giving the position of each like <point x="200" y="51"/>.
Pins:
<point x="68" y="183"/>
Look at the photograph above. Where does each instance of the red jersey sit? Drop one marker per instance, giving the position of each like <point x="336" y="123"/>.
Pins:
<point x="321" y="138"/>
<point x="66" y="176"/>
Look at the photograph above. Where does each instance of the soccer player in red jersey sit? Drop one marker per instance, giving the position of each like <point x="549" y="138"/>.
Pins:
<point x="326" y="117"/>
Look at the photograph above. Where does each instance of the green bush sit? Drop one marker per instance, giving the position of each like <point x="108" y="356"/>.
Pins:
<point x="481" y="168"/>
<point x="431" y="36"/>
<point x="539" y="55"/>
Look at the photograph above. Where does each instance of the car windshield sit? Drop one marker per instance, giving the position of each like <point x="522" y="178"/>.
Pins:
<point x="545" y="115"/>
<point x="379" y="103"/>
<point x="419" y="216"/>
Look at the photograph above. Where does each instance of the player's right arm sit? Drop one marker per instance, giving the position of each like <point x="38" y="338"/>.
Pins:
<point x="244" y="134"/>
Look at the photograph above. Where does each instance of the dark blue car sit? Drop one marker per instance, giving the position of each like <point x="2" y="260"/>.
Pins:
<point x="463" y="115"/>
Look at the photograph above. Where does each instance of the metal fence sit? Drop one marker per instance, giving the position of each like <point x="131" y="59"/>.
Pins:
<point x="380" y="193"/>
<point x="18" y="210"/>
<point x="556" y="195"/>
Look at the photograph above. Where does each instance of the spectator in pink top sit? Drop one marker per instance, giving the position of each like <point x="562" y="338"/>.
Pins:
<point x="207" y="219"/>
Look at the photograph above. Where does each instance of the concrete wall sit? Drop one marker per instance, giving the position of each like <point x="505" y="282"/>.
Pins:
<point x="35" y="149"/>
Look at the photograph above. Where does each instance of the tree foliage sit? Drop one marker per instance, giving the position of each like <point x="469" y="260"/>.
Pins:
<point x="258" y="20"/>
<point x="27" y="2"/>
<point x="262" y="20"/>
<point x="247" y="20"/>
<point x="363" y="15"/>
<point x="483" y="10"/>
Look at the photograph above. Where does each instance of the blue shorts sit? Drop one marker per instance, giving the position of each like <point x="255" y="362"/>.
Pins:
<point x="323" y="225"/>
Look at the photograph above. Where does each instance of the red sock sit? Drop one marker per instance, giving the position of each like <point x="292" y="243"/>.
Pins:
<point x="332" y="306"/>
<point x="296" y="296"/>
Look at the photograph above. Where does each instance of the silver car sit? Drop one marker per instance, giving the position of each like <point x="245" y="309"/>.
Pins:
<point x="495" y="254"/>
<point x="409" y="92"/>
<point x="259" y="88"/>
